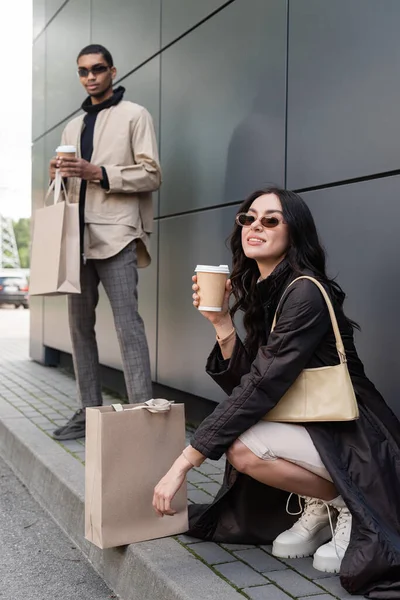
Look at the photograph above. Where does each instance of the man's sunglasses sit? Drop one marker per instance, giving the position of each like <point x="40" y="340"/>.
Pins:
<point x="246" y="220"/>
<point x="96" y="70"/>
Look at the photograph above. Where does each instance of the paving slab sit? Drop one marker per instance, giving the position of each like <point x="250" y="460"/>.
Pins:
<point x="267" y="592"/>
<point x="260" y="561"/>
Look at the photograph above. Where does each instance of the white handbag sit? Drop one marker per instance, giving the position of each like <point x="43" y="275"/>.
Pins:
<point x="320" y="394"/>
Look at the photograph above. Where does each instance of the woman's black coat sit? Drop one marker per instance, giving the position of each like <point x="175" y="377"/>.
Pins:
<point x="362" y="457"/>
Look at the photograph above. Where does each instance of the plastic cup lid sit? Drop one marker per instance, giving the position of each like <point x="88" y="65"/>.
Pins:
<point x="66" y="149"/>
<point x="212" y="269"/>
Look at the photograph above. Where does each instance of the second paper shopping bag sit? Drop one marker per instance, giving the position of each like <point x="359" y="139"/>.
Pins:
<point x="55" y="258"/>
<point x="127" y="453"/>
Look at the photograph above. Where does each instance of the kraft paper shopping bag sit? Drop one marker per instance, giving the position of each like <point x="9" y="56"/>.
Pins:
<point x="55" y="256"/>
<point x="127" y="453"/>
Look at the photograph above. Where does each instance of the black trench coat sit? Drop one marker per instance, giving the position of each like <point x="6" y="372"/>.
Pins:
<point x="362" y="457"/>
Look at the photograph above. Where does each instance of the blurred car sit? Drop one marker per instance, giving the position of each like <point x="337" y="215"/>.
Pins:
<point x="14" y="288"/>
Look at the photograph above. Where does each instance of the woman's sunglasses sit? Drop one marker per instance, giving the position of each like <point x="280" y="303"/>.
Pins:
<point x="246" y="220"/>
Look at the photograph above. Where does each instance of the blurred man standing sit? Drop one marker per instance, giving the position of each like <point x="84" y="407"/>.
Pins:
<point x="115" y="171"/>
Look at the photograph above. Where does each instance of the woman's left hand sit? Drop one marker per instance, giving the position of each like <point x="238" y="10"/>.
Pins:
<point x="165" y="491"/>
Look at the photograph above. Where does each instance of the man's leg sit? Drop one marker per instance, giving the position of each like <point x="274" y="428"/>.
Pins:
<point x="82" y="319"/>
<point x="119" y="276"/>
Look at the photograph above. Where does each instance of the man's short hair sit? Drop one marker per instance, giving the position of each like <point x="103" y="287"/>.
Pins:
<point x="97" y="49"/>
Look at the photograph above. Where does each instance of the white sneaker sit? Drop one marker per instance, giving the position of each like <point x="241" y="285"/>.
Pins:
<point x="307" y="534"/>
<point x="328" y="558"/>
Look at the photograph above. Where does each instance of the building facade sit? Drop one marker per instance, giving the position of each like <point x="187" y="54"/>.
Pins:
<point x="300" y="93"/>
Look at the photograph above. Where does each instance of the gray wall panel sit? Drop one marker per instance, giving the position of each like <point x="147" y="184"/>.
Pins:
<point x="180" y="15"/>
<point x="55" y="323"/>
<point x="39" y="173"/>
<point x="64" y="93"/>
<point x="143" y="87"/>
<point x="52" y="140"/>
<point x="131" y="33"/>
<point x="39" y="16"/>
<point x="52" y="6"/>
<point x="222" y="107"/>
<point x="344" y="90"/>
<point x="185" y="338"/>
<point x="39" y="87"/>
<point x="36" y="349"/>
<point x="359" y="227"/>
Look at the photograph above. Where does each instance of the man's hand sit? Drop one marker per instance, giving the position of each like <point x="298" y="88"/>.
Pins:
<point x="78" y="167"/>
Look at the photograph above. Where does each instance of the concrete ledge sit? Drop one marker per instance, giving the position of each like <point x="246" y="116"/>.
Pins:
<point x="157" y="569"/>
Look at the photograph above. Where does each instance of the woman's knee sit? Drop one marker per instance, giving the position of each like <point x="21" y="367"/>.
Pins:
<point x="240" y="457"/>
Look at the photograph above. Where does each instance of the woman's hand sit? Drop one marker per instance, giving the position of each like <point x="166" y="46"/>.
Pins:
<point x="221" y="318"/>
<point x="167" y="487"/>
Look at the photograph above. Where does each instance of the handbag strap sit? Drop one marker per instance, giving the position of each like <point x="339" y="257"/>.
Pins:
<point x="57" y="185"/>
<point x="339" y="342"/>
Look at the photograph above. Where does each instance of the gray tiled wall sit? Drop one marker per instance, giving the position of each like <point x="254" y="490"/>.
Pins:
<point x="65" y="36"/>
<point x="185" y="338"/>
<point x="229" y="106"/>
<point x="39" y="17"/>
<point x="243" y="93"/>
<point x="178" y="16"/>
<point x="129" y="28"/>
<point x="51" y="7"/>
<point x="39" y="88"/>
<point x="343" y="90"/>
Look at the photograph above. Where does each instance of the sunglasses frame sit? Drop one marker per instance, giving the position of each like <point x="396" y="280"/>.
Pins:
<point x="103" y="69"/>
<point x="266" y="222"/>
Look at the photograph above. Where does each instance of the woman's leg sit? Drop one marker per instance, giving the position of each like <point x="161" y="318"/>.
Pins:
<point x="313" y="528"/>
<point x="283" y="455"/>
<point x="280" y="473"/>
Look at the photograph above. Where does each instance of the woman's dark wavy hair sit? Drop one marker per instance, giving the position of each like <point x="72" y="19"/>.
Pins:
<point x="305" y="253"/>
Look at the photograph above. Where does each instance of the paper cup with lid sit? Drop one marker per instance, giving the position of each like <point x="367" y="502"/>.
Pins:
<point x="66" y="151"/>
<point x="211" y="280"/>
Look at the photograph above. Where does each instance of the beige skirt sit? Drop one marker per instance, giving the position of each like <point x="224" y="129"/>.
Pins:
<point x="270" y="441"/>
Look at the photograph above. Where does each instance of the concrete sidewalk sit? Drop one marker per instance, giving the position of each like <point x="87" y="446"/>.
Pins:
<point x="33" y="401"/>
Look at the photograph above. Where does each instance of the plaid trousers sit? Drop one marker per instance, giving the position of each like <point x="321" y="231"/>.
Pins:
<point x="119" y="277"/>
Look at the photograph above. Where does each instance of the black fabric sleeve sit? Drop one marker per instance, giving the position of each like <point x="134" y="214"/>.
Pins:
<point x="302" y="325"/>
<point x="228" y="372"/>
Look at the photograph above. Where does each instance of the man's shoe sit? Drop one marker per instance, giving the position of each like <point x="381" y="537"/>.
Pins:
<point x="307" y="534"/>
<point x="74" y="429"/>
<point x="328" y="558"/>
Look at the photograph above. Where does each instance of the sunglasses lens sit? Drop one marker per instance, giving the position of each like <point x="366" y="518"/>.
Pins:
<point x="270" y="222"/>
<point x="97" y="69"/>
<point x="244" y="220"/>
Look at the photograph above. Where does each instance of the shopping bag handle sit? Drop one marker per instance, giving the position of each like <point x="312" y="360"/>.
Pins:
<point x="155" y="405"/>
<point x="57" y="185"/>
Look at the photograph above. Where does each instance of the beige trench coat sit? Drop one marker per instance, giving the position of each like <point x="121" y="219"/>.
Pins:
<point x="125" y="145"/>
